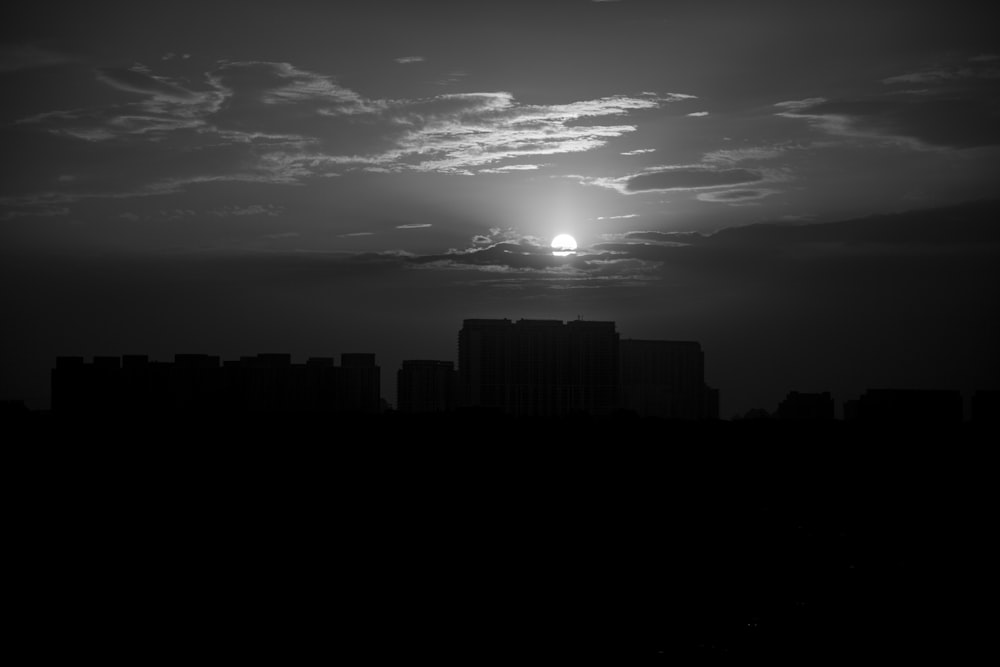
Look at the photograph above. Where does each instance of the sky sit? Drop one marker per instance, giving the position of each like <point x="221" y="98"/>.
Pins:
<point x="805" y="188"/>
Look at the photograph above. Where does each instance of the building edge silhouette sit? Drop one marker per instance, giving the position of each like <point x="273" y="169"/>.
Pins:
<point x="516" y="369"/>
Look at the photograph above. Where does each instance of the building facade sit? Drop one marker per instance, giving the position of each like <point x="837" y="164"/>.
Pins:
<point x="666" y="379"/>
<point x="424" y="386"/>
<point x="202" y="383"/>
<point x="539" y="367"/>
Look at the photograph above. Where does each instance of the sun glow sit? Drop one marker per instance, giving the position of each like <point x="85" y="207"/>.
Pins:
<point x="563" y="245"/>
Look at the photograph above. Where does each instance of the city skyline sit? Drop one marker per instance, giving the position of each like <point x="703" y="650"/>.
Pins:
<point x="806" y="189"/>
<point x="523" y="368"/>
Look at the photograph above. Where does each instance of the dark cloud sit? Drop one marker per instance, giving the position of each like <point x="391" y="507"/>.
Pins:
<point x="735" y="195"/>
<point x="690" y="178"/>
<point x="953" y="122"/>
<point x="684" y="238"/>
<point x="506" y="254"/>
<point x="970" y="227"/>
<point x="972" y="224"/>
<point x="952" y="105"/>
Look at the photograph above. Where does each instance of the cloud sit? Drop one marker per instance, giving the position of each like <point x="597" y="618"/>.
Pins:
<point x="640" y="151"/>
<point x="18" y="57"/>
<point x="667" y="238"/>
<point x="273" y="122"/>
<point x="690" y="178"/>
<point x="352" y="234"/>
<point x="933" y="121"/>
<point x="953" y="107"/>
<point x="452" y="78"/>
<point x="281" y="83"/>
<point x="528" y="264"/>
<point x="618" y="217"/>
<point x="949" y="73"/>
<point x="698" y="114"/>
<point x="751" y="154"/>
<point x="511" y="168"/>
<point x="270" y="210"/>
<point x="136" y="81"/>
<point x="43" y="206"/>
<point x="413" y="226"/>
<point x="406" y="60"/>
<point x="456" y="133"/>
<point x="797" y="105"/>
<point x="734" y="196"/>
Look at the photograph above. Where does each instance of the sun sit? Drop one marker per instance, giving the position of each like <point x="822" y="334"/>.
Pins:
<point x="563" y="245"/>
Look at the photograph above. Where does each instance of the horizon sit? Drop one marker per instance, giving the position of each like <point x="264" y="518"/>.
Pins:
<point x="389" y="388"/>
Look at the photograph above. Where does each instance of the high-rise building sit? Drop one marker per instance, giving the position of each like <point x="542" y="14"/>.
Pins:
<point x="803" y="406"/>
<point x="986" y="406"/>
<point x="666" y="379"/>
<point x="426" y="386"/>
<point x="916" y="406"/>
<point x="539" y="367"/>
<point x="360" y="391"/>
<point x="200" y="383"/>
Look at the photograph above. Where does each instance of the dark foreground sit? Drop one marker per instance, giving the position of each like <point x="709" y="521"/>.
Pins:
<point x="489" y="541"/>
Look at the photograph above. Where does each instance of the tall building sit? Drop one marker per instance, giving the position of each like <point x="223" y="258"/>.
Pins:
<point x="986" y="406"/>
<point x="426" y="386"/>
<point x="804" y="406"/>
<point x="361" y="384"/>
<point x="539" y="367"/>
<point x="666" y="379"/>
<point x="915" y="406"/>
<point x="200" y="383"/>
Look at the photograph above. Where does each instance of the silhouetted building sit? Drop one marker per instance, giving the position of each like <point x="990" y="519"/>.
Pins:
<point x="666" y="379"/>
<point x="986" y="406"/>
<point x="361" y="388"/>
<point x="539" y="367"/>
<point x="807" y="406"/>
<point x="13" y="407"/>
<point x="201" y="383"/>
<point x="906" y="405"/>
<point x="426" y="386"/>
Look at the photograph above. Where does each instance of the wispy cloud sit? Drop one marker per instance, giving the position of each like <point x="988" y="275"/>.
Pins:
<point x="949" y="104"/>
<point x="978" y="69"/>
<point x="406" y="60"/>
<point x="698" y="114"/>
<point x="511" y="168"/>
<point x="640" y="151"/>
<point x="413" y="226"/>
<point x="136" y="80"/>
<point x="709" y="175"/>
<point x="750" y="154"/>
<point x="735" y="196"/>
<point x="270" y="210"/>
<point x="934" y="121"/>
<point x="273" y="122"/>
<point x="17" y="57"/>
<point x="690" y="178"/>
<point x="452" y="78"/>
